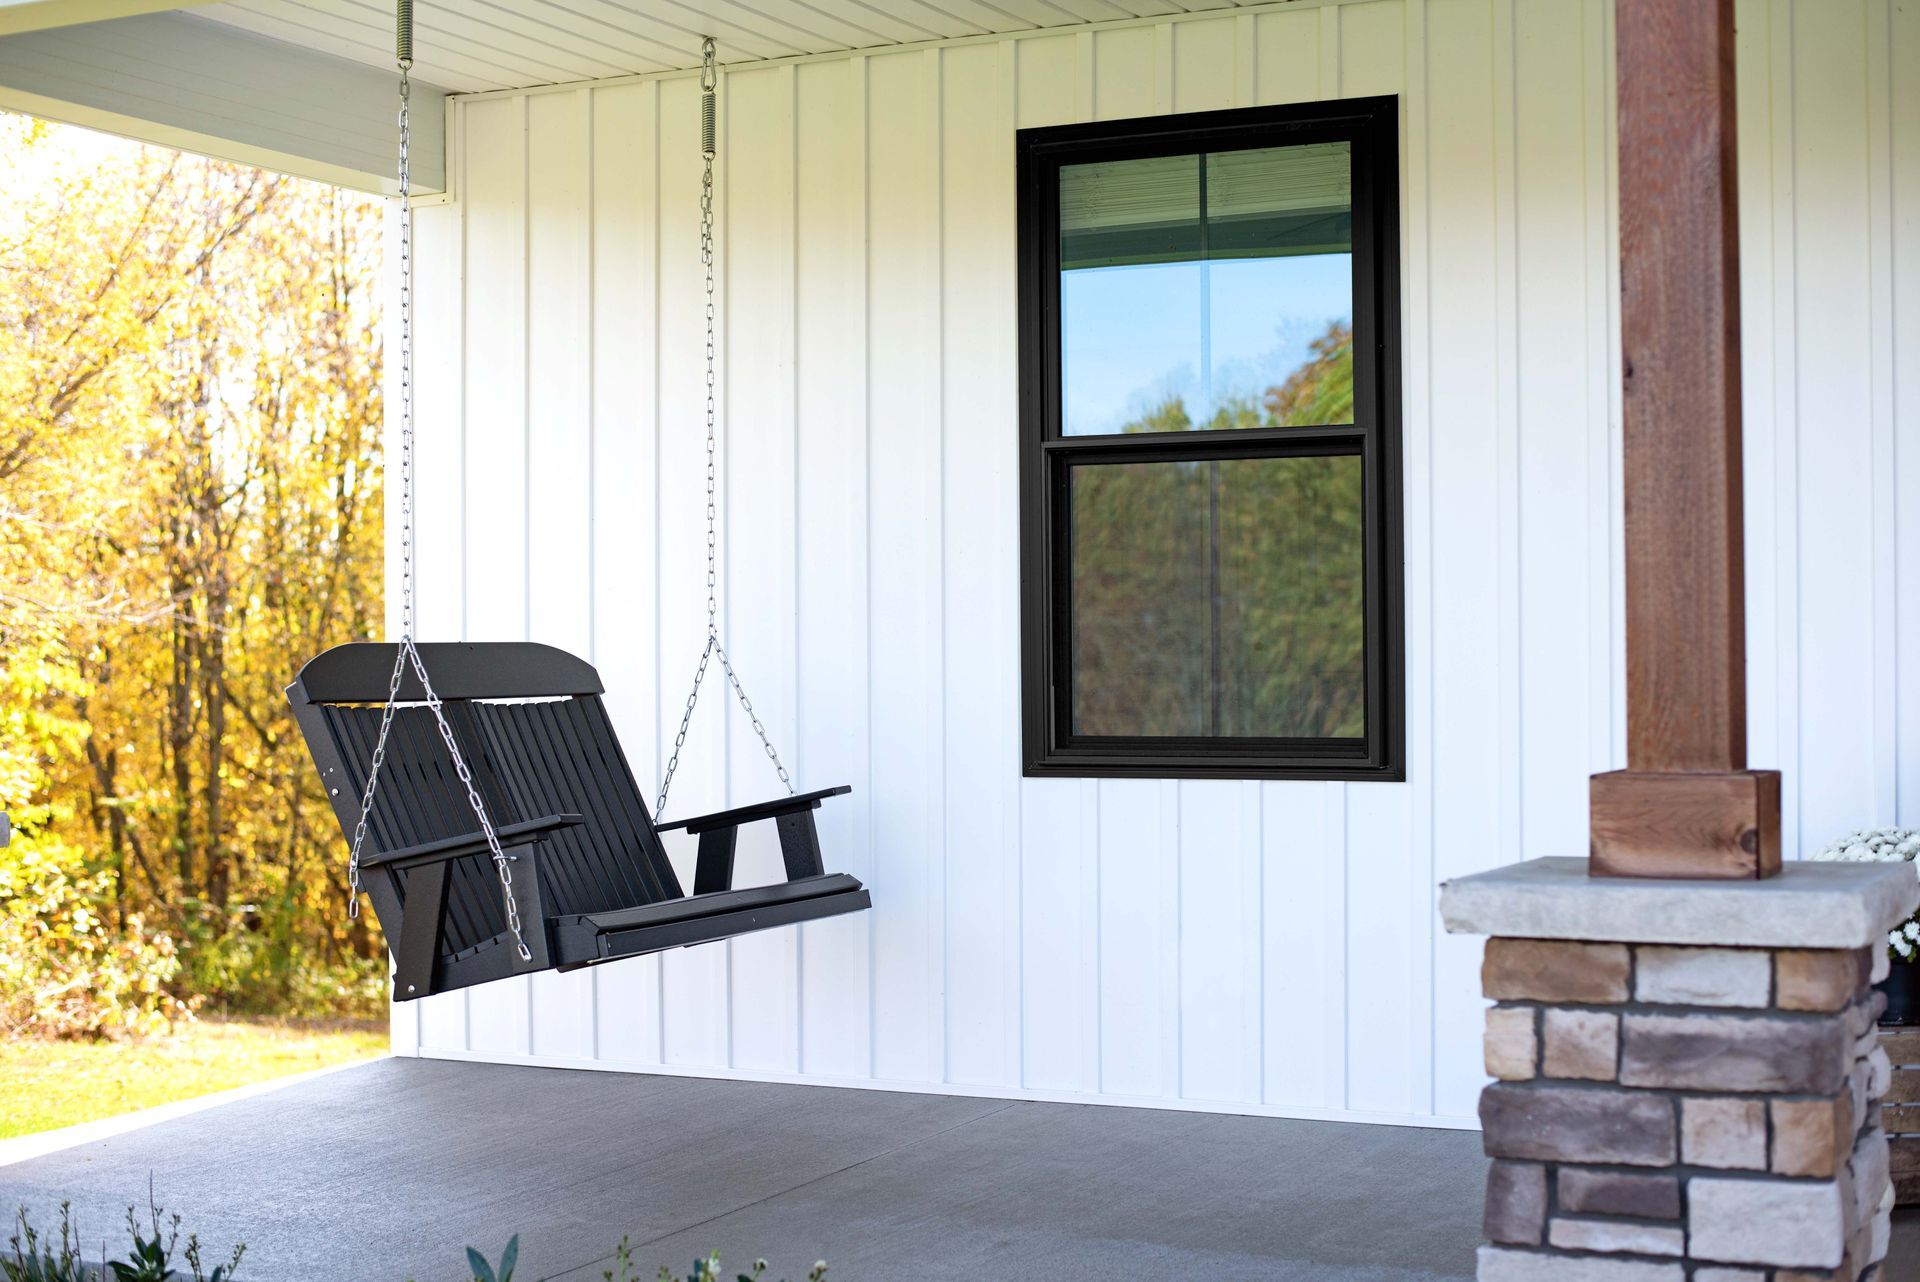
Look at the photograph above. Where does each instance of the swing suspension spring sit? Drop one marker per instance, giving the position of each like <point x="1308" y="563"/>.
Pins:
<point x="403" y="33"/>
<point x="714" y="648"/>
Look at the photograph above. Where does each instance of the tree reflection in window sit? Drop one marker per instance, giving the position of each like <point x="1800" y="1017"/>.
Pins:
<point x="1225" y="597"/>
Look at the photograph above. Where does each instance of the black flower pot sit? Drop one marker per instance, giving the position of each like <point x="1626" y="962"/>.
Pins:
<point x="1902" y="987"/>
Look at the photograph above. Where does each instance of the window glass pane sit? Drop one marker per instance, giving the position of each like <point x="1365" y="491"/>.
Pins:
<point x="1219" y="598"/>
<point x="1207" y="291"/>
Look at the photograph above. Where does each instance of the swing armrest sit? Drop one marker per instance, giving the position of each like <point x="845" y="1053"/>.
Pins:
<point x="748" y="814"/>
<point x="473" y="843"/>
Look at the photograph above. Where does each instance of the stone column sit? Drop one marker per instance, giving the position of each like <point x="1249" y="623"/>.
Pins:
<point x="1687" y="1073"/>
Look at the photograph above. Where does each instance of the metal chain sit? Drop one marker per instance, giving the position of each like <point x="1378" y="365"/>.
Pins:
<point x="408" y="654"/>
<point x="709" y="82"/>
<point x="403" y="57"/>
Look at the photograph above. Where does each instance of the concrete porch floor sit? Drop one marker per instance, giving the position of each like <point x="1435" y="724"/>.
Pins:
<point x="386" y="1171"/>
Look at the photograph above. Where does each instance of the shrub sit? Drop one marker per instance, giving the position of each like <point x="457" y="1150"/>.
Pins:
<point x="150" y="1260"/>
<point x="65" y="969"/>
<point x="708" y="1270"/>
<point x="244" y="961"/>
<point x="35" y="1261"/>
<point x="704" y="1270"/>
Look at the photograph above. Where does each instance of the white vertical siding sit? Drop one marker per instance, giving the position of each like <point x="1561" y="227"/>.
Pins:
<point x="1830" y="220"/>
<point x="1265" y="947"/>
<point x="622" y="384"/>
<point x="1896" y="158"/>
<point x="498" y="459"/>
<point x="832" y="612"/>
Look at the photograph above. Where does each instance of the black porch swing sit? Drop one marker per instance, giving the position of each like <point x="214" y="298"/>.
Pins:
<point x="510" y="835"/>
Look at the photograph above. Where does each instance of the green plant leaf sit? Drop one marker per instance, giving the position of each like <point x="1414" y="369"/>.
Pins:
<point x="478" y="1263"/>
<point x="509" y="1258"/>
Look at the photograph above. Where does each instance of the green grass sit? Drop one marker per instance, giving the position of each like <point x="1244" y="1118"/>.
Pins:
<point x="52" y="1084"/>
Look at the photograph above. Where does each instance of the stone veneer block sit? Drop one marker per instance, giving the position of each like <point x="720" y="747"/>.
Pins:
<point x="1869" y="1170"/>
<point x="1512" y="1049"/>
<point x="1728" y="1275"/>
<point x="1723" y="1132"/>
<point x="1617" y="1236"/>
<point x="1516" y="1211"/>
<point x="1581" y="1044"/>
<point x="1783" y="1223"/>
<point x="1736" y="1053"/>
<point x="1578" y="1124"/>
<point x="1703" y="976"/>
<point x="1649" y="1197"/>
<point x="1863" y="1016"/>
<point x="1823" y="980"/>
<point x="1548" y="970"/>
<point x="1879" y="1073"/>
<point x="1812" y="1137"/>
<point x="1809" y="905"/>
<point x="1498" y="1264"/>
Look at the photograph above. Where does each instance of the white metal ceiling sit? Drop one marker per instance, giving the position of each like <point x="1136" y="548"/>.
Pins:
<point x="473" y="45"/>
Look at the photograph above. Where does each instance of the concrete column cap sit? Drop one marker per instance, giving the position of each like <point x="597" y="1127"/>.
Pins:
<point x="1809" y="905"/>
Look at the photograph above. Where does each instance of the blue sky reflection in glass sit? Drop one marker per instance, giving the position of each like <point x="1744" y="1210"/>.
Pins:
<point x="1198" y="280"/>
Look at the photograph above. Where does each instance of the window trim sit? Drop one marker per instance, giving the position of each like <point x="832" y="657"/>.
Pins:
<point x="1371" y="125"/>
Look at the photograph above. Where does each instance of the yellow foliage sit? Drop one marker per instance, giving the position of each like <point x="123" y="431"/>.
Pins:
<point x="65" y="971"/>
<point x="190" y="489"/>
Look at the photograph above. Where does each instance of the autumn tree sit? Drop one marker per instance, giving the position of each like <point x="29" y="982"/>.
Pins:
<point x="189" y="423"/>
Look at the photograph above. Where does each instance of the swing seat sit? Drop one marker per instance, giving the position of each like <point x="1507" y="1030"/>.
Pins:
<point x="591" y="878"/>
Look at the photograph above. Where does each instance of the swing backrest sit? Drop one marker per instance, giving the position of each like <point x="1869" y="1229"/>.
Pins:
<point x="535" y="734"/>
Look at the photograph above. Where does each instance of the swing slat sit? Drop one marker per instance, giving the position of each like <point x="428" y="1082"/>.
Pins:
<point x="760" y="810"/>
<point x="473" y="843"/>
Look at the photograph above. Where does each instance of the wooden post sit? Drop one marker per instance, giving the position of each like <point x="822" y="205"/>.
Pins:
<point x="1686" y="806"/>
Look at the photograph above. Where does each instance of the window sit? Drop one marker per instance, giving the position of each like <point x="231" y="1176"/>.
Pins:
<point x="1210" y="478"/>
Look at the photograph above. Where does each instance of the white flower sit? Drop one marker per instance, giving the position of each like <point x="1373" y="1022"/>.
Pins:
<point x="1874" y="845"/>
<point x="1912" y="930"/>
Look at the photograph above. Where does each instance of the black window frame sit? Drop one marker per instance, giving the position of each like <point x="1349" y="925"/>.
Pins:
<point x="1047" y="455"/>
